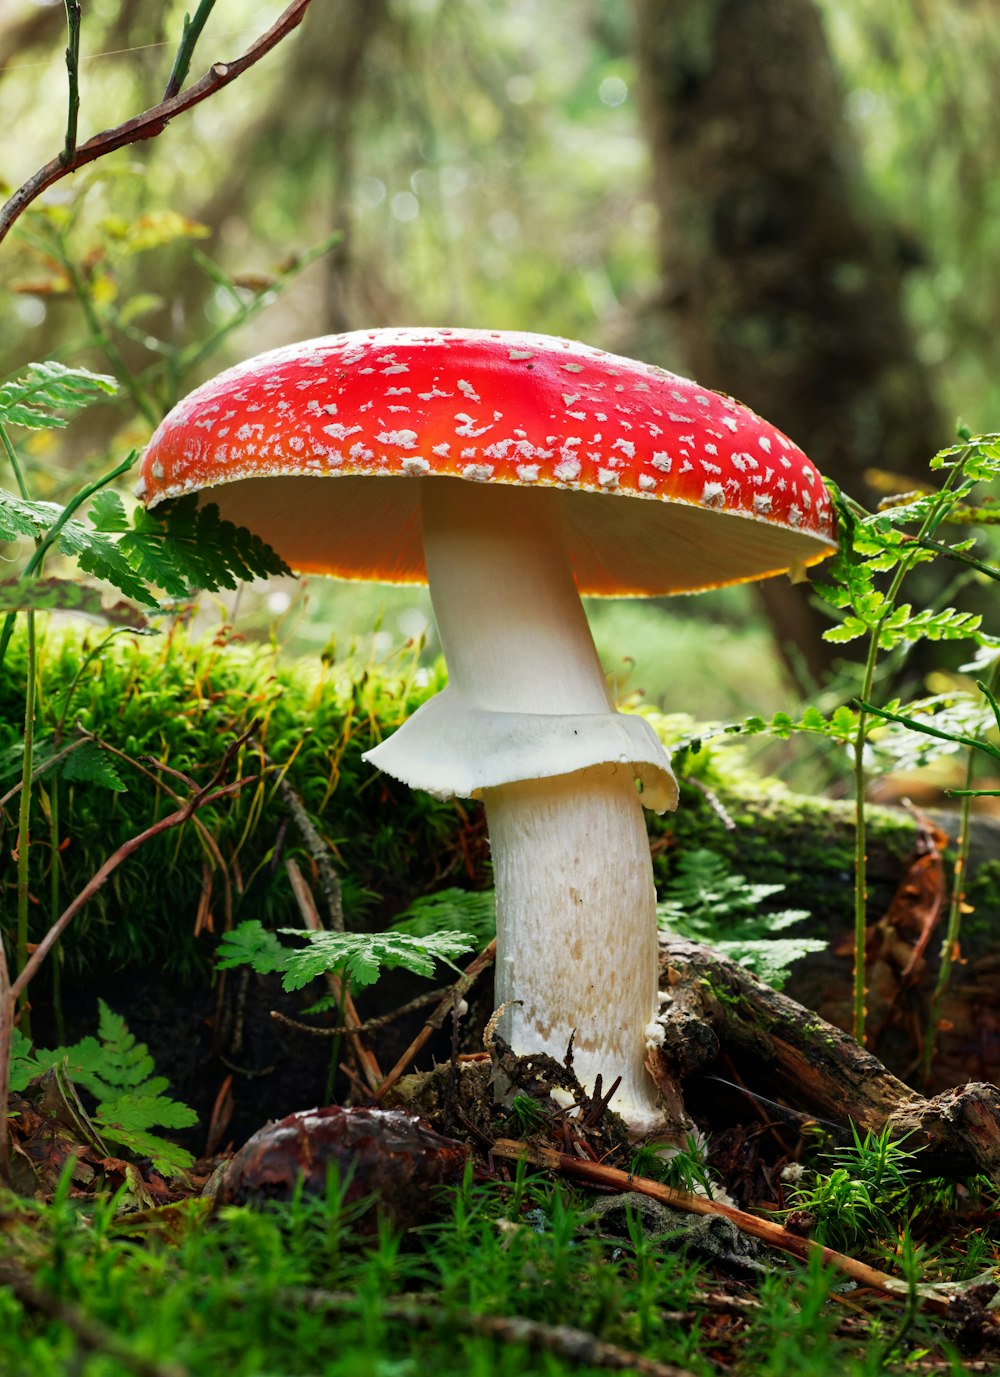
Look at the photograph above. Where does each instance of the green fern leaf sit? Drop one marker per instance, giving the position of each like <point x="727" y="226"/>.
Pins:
<point x="18" y="517"/>
<point x="362" y="956"/>
<point x="107" y="513"/>
<point x="103" y="556"/>
<point x="190" y="546"/>
<point x="89" y="764"/>
<point x="167" y="1158"/>
<point x="705" y="902"/>
<point x="473" y="912"/>
<point x="33" y="400"/>
<point x="118" y="1072"/>
<point x="140" y="1112"/>
<point x="23" y="1065"/>
<point x="251" y="944"/>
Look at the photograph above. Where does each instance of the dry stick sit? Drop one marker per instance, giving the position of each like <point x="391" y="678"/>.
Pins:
<point x="778" y="1237"/>
<point x="370" y="1025"/>
<point x="155" y="774"/>
<point x="317" y="848"/>
<point x="461" y="987"/>
<point x="366" y="1060"/>
<point x="577" y="1345"/>
<point x="9" y="992"/>
<point x="152" y="121"/>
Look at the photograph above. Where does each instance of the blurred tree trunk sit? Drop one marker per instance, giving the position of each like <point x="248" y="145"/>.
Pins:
<point x="781" y="285"/>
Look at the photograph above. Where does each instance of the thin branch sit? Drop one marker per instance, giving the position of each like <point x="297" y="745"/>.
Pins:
<point x="153" y="121"/>
<point x="576" y="1345"/>
<point x="73" y="15"/>
<point x="190" y="34"/>
<point x="370" y="1025"/>
<point x="317" y="848"/>
<point x="460" y="988"/>
<point x="597" y="1174"/>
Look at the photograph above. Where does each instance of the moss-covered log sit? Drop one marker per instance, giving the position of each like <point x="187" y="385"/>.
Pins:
<point x="721" y="1016"/>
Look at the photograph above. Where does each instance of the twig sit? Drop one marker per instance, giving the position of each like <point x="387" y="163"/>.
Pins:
<point x="153" y="121"/>
<point x="366" y="1059"/>
<point x="317" y="848"/>
<point x="190" y="34"/>
<point x="460" y="988"/>
<point x="73" y="76"/>
<point x="370" y="1025"/>
<point x="154" y="771"/>
<point x="11" y="990"/>
<point x="595" y="1173"/>
<point x="90" y="1333"/>
<point x="577" y="1345"/>
<point x="714" y="802"/>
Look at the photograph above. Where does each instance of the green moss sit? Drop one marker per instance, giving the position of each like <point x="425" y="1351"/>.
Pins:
<point x="983" y="897"/>
<point x="182" y="704"/>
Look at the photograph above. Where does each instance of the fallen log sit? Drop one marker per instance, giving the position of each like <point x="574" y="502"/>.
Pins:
<point x="721" y="1016"/>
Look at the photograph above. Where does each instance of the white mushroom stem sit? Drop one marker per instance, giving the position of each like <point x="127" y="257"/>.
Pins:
<point x="576" y="917"/>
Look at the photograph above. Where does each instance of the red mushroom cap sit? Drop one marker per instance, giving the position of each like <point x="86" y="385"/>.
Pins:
<point x="493" y="407"/>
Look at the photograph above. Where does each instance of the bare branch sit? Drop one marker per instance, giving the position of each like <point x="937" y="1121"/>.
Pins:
<point x="597" y="1174"/>
<point x="151" y="122"/>
<point x="459" y="990"/>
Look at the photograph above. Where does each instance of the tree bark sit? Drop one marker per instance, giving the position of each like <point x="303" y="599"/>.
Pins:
<point x="806" y="844"/>
<point x="781" y="284"/>
<point x="784" y="1050"/>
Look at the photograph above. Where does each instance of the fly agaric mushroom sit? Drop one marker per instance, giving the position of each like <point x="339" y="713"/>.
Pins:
<point x="525" y="470"/>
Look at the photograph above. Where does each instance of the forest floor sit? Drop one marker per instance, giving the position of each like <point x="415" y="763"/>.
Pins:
<point x="364" y="1243"/>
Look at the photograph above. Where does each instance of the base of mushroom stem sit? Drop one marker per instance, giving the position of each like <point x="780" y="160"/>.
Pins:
<point x="532" y="1073"/>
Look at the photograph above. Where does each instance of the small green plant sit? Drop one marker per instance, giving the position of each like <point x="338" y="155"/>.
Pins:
<point x="360" y="956"/>
<point x="685" y="1168"/>
<point x="893" y="542"/>
<point x="119" y="1073"/>
<point x="525" y="1116"/>
<point x="866" y="1192"/>
<point x="706" y="902"/>
<point x="877" y="551"/>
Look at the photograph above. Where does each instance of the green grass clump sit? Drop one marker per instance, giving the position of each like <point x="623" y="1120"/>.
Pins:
<point x="300" y="1289"/>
